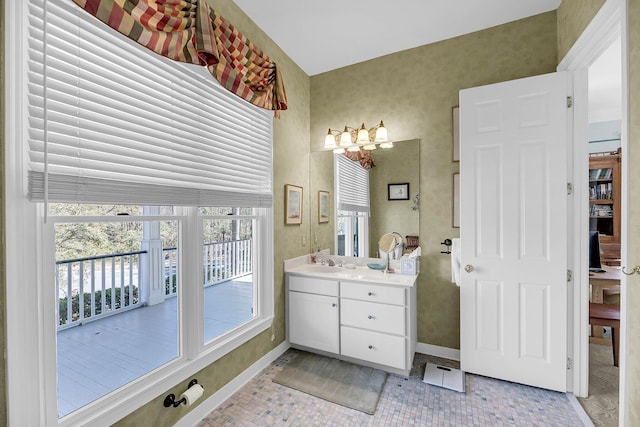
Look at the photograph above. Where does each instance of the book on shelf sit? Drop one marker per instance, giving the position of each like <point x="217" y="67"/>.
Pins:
<point x="603" y="211"/>
<point x="600" y="174"/>
<point x="602" y="191"/>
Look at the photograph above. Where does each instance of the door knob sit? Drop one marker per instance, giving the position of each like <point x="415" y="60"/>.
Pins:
<point x="468" y="268"/>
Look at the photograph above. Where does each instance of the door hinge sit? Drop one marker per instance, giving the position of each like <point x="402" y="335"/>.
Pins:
<point x="569" y="275"/>
<point x="569" y="101"/>
<point x="569" y="363"/>
<point x="569" y="188"/>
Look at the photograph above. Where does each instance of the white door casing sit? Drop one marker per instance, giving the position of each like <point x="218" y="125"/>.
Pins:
<point x="513" y="187"/>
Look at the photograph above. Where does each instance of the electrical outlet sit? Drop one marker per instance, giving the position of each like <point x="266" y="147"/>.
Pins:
<point x="304" y="240"/>
<point x="273" y="337"/>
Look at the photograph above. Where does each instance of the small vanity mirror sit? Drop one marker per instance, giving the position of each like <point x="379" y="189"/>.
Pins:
<point x="395" y="211"/>
<point x="390" y="245"/>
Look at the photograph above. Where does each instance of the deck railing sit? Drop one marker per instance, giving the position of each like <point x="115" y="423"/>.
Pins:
<point x="104" y="285"/>
<point x="170" y="258"/>
<point x="97" y="286"/>
<point x="226" y="260"/>
<point x="222" y="261"/>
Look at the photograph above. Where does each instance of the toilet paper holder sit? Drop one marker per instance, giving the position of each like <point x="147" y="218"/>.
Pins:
<point x="170" y="400"/>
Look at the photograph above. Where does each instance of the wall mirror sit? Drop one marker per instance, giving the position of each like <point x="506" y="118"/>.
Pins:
<point x="398" y="167"/>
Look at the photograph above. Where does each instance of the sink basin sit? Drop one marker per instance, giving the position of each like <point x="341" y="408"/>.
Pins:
<point x="324" y="269"/>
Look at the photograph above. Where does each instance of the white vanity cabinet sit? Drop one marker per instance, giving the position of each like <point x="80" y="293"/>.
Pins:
<point x="313" y="313"/>
<point x="375" y="324"/>
<point x="366" y="322"/>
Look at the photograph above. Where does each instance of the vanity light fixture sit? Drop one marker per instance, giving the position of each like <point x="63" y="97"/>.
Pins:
<point x="354" y="139"/>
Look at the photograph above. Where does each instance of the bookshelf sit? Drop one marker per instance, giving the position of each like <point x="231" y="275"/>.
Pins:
<point x="604" y="195"/>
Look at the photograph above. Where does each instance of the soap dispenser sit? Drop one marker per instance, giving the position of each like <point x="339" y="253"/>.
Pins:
<point x="315" y="256"/>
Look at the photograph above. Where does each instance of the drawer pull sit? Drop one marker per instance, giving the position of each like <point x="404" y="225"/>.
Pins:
<point x="370" y="294"/>
<point x="370" y="317"/>
<point x="334" y="304"/>
<point x="370" y="347"/>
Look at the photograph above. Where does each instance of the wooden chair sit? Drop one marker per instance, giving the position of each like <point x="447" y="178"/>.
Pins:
<point x="607" y="315"/>
<point x="610" y="253"/>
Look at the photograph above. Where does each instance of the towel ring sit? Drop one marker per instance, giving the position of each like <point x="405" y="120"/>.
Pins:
<point x="634" y="270"/>
<point x="447" y="243"/>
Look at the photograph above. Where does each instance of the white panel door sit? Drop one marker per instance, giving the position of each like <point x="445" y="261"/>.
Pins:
<point x="513" y="187"/>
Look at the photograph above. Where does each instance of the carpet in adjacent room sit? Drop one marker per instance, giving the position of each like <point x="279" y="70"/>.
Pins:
<point x="602" y="403"/>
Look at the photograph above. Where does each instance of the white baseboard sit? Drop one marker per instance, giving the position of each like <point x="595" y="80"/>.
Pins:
<point x="215" y="400"/>
<point x="436" y="350"/>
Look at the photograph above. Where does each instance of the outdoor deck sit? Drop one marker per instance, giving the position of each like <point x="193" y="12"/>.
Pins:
<point x="101" y="356"/>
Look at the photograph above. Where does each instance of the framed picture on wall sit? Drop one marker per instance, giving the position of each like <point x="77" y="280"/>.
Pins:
<point x="456" y="200"/>
<point x="455" y="134"/>
<point x="323" y="206"/>
<point x="398" y="191"/>
<point x="292" y="204"/>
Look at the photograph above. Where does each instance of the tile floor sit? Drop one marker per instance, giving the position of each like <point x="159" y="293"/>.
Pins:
<point x="404" y="402"/>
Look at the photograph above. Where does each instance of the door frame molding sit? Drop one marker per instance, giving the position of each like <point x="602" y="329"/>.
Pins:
<point x="609" y="23"/>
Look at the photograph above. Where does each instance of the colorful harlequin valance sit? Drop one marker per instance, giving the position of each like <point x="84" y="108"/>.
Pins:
<point x="190" y="31"/>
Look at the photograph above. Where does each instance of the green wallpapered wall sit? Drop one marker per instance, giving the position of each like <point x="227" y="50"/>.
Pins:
<point x="413" y="92"/>
<point x="573" y="18"/>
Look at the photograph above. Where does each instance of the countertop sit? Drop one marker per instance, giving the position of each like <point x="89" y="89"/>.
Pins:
<point x="358" y="274"/>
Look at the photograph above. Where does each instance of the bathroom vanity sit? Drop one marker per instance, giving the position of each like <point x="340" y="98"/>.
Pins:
<point x="361" y="315"/>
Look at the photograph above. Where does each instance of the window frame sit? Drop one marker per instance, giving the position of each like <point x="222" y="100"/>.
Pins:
<point x="30" y="334"/>
<point x="362" y="230"/>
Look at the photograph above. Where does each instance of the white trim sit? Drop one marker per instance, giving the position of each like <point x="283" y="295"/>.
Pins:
<point x="577" y="172"/>
<point x="586" y="421"/>
<point x="600" y="33"/>
<point x="609" y="23"/>
<point x="25" y="398"/>
<point x="438" y="351"/>
<point x="578" y="349"/>
<point x="623" y="390"/>
<point x="215" y="400"/>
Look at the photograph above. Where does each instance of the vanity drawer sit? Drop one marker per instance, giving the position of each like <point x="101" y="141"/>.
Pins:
<point x="311" y="285"/>
<point x="373" y="316"/>
<point x="373" y="293"/>
<point x="388" y="350"/>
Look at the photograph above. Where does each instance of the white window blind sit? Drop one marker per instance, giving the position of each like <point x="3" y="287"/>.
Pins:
<point x="352" y="185"/>
<point x="112" y="122"/>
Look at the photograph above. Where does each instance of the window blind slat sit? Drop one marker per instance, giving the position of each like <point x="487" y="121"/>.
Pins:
<point x="66" y="188"/>
<point x="352" y="185"/>
<point x="126" y="125"/>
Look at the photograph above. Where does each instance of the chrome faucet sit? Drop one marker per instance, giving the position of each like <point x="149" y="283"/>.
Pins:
<point x="387" y="268"/>
<point x="331" y="262"/>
